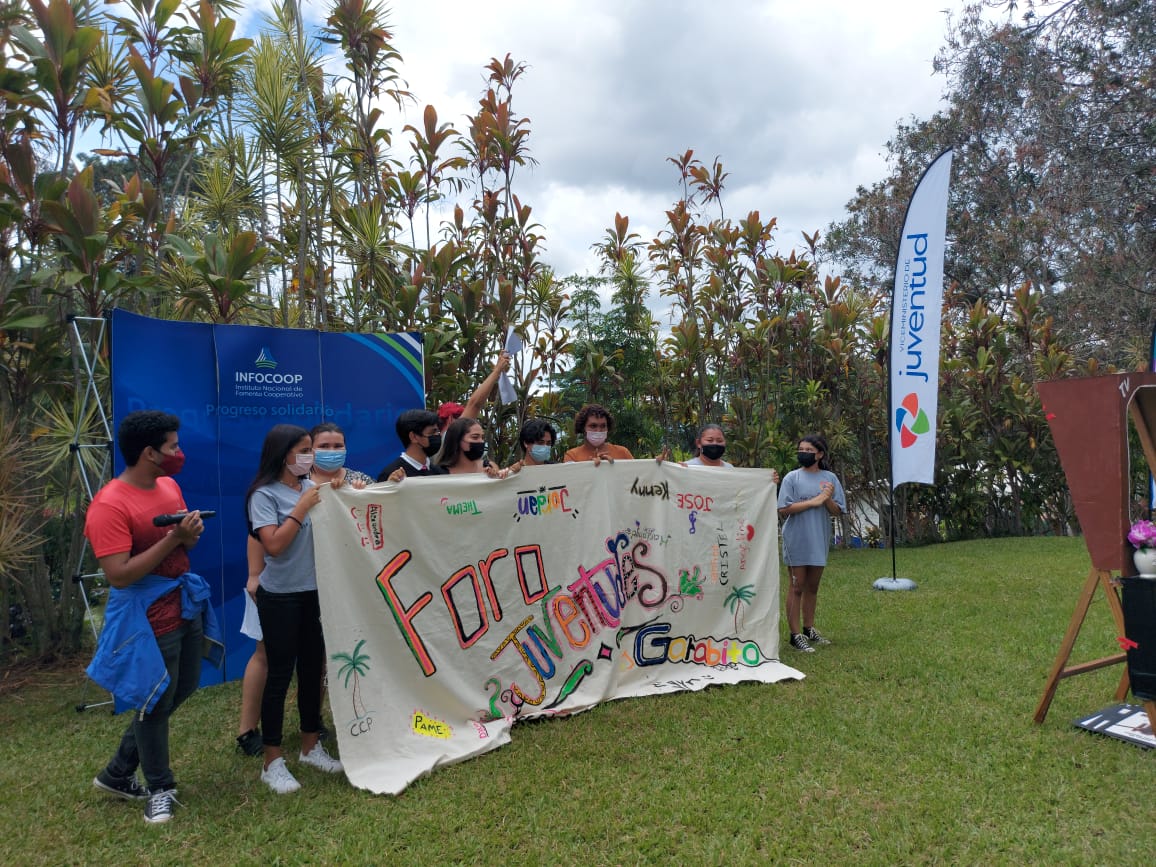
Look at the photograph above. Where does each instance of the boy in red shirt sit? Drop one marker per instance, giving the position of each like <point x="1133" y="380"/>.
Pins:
<point x="148" y="568"/>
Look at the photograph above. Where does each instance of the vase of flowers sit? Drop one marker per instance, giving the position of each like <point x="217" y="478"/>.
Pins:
<point x="1143" y="539"/>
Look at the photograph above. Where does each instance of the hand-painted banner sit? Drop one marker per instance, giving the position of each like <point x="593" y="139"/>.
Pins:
<point x="916" y="312"/>
<point x="229" y="384"/>
<point x="455" y="605"/>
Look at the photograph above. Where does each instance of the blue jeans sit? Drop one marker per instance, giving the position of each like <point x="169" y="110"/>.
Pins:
<point x="291" y="626"/>
<point x="145" y="742"/>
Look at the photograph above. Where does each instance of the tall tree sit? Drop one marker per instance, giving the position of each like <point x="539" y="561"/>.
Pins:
<point x="1054" y="178"/>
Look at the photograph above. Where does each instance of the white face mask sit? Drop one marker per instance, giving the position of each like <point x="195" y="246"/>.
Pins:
<point x="302" y="464"/>
<point x="596" y="437"/>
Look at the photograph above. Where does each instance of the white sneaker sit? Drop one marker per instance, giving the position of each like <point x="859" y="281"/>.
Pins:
<point x="320" y="759"/>
<point x="278" y="777"/>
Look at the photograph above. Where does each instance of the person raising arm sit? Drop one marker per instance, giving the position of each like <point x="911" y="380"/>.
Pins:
<point x="449" y="412"/>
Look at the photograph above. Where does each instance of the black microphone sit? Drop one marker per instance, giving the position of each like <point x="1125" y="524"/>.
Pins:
<point x="177" y="517"/>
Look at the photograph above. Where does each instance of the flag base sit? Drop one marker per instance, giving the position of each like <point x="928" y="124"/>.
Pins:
<point x="894" y="584"/>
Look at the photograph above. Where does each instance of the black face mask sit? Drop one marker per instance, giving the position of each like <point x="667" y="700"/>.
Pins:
<point x="474" y="451"/>
<point x="435" y="444"/>
<point x="713" y="451"/>
<point x="806" y="459"/>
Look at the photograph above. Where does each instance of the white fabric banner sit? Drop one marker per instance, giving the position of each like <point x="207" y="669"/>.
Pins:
<point x="455" y="605"/>
<point x="916" y="311"/>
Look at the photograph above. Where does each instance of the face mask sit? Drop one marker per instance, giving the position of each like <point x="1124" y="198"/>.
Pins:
<point x="806" y="459"/>
<point x="329" y="459"/>
<point x="302" y="464"/>
<point x="596" y="437"/>
<point x="170" y="465"/>
<point x="435" y="445"/>
<point x="713" y="451"/>
<point x="474" y="451"/>
<point x="540" y="453"/>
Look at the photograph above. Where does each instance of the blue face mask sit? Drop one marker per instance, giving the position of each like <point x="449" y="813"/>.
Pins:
<point x="541" y="453"/>
<point x="329" y="459"/>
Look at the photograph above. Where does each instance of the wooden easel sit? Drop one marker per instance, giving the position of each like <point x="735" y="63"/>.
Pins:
<point x="1087" y="418"/>
<point x="1060" y="668"/>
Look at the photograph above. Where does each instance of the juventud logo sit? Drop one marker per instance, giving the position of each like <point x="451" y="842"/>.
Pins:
<point x="910" y="421"/>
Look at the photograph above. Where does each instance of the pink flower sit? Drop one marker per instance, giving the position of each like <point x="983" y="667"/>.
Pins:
<point x="1143" y="535"/>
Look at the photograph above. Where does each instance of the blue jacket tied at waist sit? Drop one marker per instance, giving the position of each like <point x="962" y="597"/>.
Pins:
<point x="128" y="662"/>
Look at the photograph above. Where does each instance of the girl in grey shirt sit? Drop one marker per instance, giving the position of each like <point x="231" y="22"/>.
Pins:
<point x="278" y="505"/>
<point x="808" y="497"/>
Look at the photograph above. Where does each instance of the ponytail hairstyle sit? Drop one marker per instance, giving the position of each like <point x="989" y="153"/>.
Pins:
<point x="325" y="427"/>
<point x="278" y="443"/>
<point x="821" y="444"/>
<point x="702" y="430"/>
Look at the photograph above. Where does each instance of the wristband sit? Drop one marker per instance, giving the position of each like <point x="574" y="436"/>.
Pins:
<point x="295" y="518"/>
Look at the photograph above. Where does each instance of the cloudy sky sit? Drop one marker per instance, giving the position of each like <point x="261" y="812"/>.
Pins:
<point x="797" y="99"/>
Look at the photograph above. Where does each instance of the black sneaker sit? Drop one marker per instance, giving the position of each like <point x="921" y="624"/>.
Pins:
<point x="249" y="744"/>
<point x="814" y="636"/>
<point x="160" y="806"/>
<point x="127" y="787"/>
<point x="800" y="643"/>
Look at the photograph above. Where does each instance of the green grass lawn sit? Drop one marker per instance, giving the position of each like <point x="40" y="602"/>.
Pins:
<point x="910" y="742"/>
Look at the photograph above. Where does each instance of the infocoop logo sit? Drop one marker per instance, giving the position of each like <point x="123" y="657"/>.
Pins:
<point x="911" y="421"/>
<point x="266" y="361"/>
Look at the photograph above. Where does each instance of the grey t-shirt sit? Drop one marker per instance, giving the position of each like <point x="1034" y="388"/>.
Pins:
<point x="807" y="534"/>
<point x="291" y="571"/>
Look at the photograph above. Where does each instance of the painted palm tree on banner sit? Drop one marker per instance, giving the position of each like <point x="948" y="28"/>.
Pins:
<point x="737" y="598"/>
<point x="354" y="665"/>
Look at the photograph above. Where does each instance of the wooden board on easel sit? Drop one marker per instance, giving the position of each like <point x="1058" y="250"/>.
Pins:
<point x="1088" y="419"/>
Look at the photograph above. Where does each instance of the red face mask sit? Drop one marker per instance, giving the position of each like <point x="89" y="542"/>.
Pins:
<point x="170" y="465"/>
